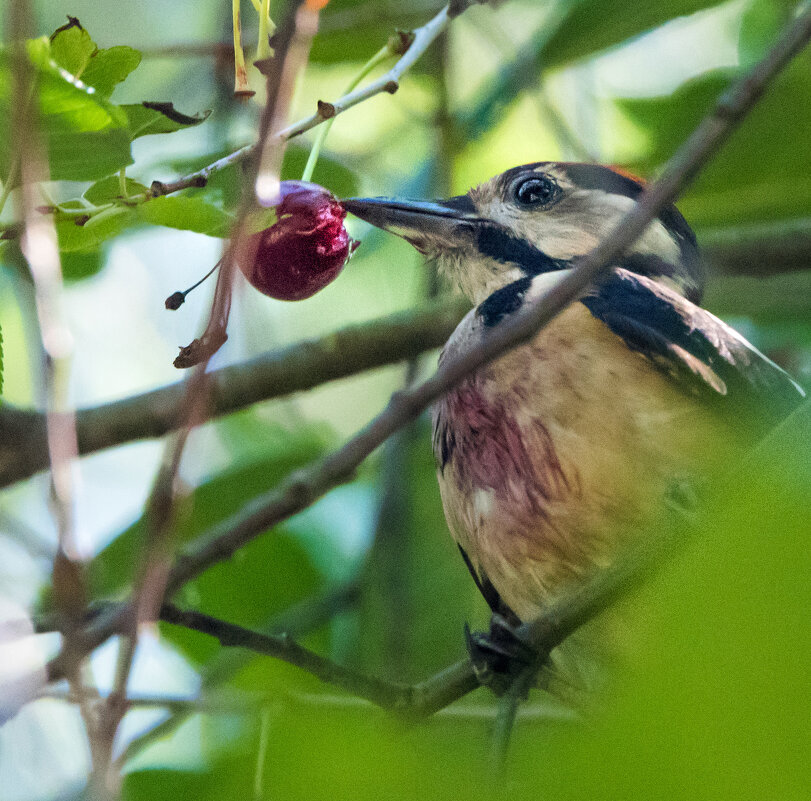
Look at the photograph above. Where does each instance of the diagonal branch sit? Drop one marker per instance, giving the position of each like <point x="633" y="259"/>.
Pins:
<point x="389" y="82"/>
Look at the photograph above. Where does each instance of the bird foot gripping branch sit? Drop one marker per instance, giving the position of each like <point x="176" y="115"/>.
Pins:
<point x="499" y="656"/>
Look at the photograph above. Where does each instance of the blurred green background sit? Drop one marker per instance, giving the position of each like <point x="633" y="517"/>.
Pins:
<point x="714" y="703"/>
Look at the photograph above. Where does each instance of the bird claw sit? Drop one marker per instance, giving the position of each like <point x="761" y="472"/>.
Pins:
<point x="498" y="656"/>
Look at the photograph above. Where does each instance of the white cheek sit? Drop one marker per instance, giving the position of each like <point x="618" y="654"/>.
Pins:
<point x="566" y="233"/>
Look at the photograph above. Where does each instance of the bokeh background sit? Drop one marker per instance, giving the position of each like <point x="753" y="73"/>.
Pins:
<point x="716" y="702"/>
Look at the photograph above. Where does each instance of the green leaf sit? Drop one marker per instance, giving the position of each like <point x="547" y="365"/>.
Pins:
<point x="73" y="49"/>
<point x="213" y="501"/>
<point x="187" y="214"/>
<point x="109" y="67"/>
<point x="86" y="136"/>
<point x="329" y="173"/>
<point x="97" y="230"/>
<point x="578" y="29"/>
<point x="594" y="25"/>
<point x="157" y="118"/>
<point x="108" y="190"/>
<point x="761" y="174"/>
<point x="78" y="265"/>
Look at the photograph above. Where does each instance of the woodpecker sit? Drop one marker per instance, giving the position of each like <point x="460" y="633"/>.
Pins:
<point x="553" y="457"/>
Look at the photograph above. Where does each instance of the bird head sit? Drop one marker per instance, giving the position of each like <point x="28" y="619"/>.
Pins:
<point x="537" y="219"/>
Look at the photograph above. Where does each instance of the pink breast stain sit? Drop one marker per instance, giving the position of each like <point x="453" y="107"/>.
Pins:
<point x="492" y="451"/>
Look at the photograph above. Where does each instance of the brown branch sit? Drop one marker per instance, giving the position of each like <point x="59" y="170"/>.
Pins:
<point x="759" y="250"/>
<point x="297" y="621"/>
<point x="389" y="695"/>
<point x="304" y="365"/>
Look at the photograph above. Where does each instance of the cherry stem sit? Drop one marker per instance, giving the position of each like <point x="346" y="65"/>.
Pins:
<point x="266" y="29"/>
<point x="379" y="57"/>
<point x="176" y="299"/>
<point x="241" y="87"/>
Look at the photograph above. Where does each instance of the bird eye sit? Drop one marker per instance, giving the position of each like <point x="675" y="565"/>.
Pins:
<point x="536" y="191"/>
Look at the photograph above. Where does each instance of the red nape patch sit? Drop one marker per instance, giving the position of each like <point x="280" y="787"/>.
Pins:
<point x="491" y="451"/>
<point x="626" y="174"/>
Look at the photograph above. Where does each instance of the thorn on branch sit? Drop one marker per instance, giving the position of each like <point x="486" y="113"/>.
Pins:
<point x="326" y="110"/>
<point x="391" y="87"/>
<point x="400" y="41"/>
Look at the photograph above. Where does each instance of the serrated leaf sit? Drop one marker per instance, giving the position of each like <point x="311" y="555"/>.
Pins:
<point x="187" y="214"/>
<point x="156" y="118"/>
<point x="85" y="135"/>
<point x="74" y="50"/>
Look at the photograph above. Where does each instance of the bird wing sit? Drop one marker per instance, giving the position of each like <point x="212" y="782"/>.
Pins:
<point x="704" y="355"/>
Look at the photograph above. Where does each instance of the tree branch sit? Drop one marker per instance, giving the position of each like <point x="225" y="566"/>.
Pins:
<point x="294" y="368"/>
<point x="283" y="647"/>
<point x="760" y="250"/>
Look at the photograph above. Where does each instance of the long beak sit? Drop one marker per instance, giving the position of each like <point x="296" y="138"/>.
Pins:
<point x="428" y="225"/>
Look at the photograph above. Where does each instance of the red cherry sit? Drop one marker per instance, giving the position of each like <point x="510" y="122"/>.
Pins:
<point x="304" y="250"/>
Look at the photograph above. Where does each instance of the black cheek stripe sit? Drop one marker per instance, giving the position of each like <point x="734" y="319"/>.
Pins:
<point x="496" y="243"/>
<point x="503" y="302"/>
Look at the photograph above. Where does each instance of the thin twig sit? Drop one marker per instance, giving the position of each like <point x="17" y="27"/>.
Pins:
<point x="151" y="581"/>
<point x="389" y="82"/>
<point x="40" y="250"/>
<point x="299" y="620"/>
<point x="285" y="648"/>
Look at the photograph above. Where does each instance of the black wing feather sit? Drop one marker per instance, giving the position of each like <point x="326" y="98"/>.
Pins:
<point x="490" y="593"/>
<point x="700" y="352"/>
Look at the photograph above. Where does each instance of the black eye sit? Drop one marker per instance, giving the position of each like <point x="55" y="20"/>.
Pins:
<point x="536" y="191"/>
